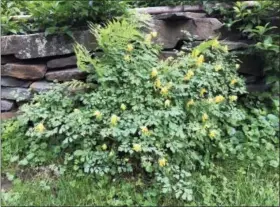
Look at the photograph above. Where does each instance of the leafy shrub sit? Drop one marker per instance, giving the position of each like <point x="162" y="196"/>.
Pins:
<point x="163" y="120"/>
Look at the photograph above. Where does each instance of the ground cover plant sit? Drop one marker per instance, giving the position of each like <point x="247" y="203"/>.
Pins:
<point x="169" y="127"/>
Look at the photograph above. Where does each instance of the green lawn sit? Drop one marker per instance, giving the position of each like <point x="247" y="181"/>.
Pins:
<point x="238" y="187"/>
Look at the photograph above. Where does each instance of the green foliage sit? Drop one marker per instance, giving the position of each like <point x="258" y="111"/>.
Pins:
<point x="253" y="23"/>
<point x="164" y="120"/>
<point x="9" y="9"/>
<point x="239" y="186"/>
<point x="56" y="16"/>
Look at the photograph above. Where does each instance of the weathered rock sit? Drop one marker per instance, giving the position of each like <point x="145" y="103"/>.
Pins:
<point x="166" y="54"/>
<point x="38" y="45"/>
<point x="179" y="16"/>
<point x="13" y="82"/>
<point x="170" y="32"/>
<point x="23" y="71"/>
<point x="62" y="62"/>
<point x="20" y="94"/>
<point x="7" y="105"/>
<point x="66" y="75"/>
<point x="39" y="86"/>
<point x="8" y="115"/>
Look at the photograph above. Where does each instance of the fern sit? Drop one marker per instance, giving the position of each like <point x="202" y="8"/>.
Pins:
<point x="77" y="85"/>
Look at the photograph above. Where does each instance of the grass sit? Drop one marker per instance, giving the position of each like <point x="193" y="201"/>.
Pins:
<point x="232" y="186"/>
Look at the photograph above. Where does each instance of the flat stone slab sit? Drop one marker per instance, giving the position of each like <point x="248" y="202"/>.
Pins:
<point x="24" y="71"/>
<point x="171" y="32"/>
<point x="38" y="45"/>
<point x="62" y="62"/>
<point x="14" y="82"/>
<point x="40" y="86"/>
<point x="66" y="75"/>
<point x="179" y="16"/>
<point x="7" y="105"/>
<point x="8" y="115"/>
<point x="19" y="94"/>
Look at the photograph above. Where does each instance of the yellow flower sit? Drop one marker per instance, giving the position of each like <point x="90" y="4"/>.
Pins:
<point x="203" y="91"/>
<point x="114" y="120"/>
<point x="137" y="147"/>
<point x="212" y="134"/>
<point x="40" y="128"/>
<point x="225" y="49"/>
<point x="167" y="103"/>
<point x="189" y="75"/>
<point x="162" y="162"/>
<point x="219" y="99"/>
<point x="154" y="34"/>
<point x="104" y="147"/>
<point x="218" y="67"/>
<point x="154" y="73"/>
<point x="190" y="103"/>
<point x="169" y="85"/>
<point x="200" y="60"/>
<point x="169" y="59"/>
<point x="126" y="58"/>
<point x="181" y="53"/>
<point x="210" y="100"/>
<point x="158" y="83"/>
<point x="126" y="159"/>
<point x="164" y="91"/>
<point x="215" y="43"/>
<point x="232" y="98"/>
<point x="98" y="114"/>
<point x="145" y="130"/>
<point x="123" y="107"/>
<point x="204" y="117"/>
<point x="148" y="38"/>
<point x="195" y="53"/>
<point x="237" y="66"/>
<point x="129" y="47"/>
<point x="111" y="154"/>
<point x="233" y="81"/>
<point x="77" y="110"/>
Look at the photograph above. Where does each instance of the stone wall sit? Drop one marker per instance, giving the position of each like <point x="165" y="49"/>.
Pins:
<point x="31" y="63"/>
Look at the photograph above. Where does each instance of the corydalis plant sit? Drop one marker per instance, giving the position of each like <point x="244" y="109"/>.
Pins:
<point x="163" y="120"/>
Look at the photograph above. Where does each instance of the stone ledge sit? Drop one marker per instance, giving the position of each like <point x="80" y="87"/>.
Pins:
<point x="14" y="82"/>
<point x="62" y="62"/>
<point x="8" y="115"/>
<point x="40" y="86"/>
<point x="170" y="33"/>
<point x="38" y="45"/>
<point x="24" y="71"/>
<point x="179" y="16"/>
<point x="7" y="105"/>
<point x="66" y="75"/>
<point x="22" y="94"/>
